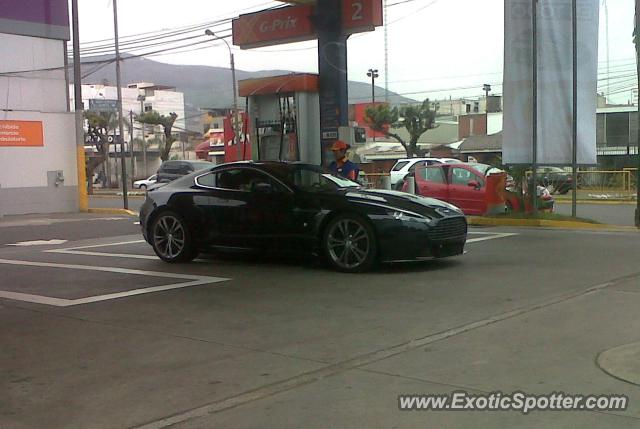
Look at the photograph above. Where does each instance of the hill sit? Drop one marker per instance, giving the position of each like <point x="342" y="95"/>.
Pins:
<point x="203" y="86"/>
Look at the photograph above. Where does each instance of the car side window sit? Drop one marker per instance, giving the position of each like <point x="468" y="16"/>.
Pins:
<point x="434" y="174"/>
<point x="462" y="176"/>
<point x="415" y="165"/>
<point x="170" y="167"/>
<point x="241" y="179"/>
<point x="399" y="165"/>
<point x="185" y="168"/>
<point x="208" y="180"/>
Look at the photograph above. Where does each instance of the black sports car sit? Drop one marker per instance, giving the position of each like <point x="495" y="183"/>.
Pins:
<point x="297" y="207"/>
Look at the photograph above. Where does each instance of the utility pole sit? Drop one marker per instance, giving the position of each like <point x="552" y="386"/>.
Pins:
<point x="637" y="42"/>
<point x="574" y="155"/>
<point x="386" y="54"/>
<point x="133" y="161"/>
<point x="236" y="121"/>
<point x="141" y="99"/>
<point x="373" y="74"/>
<point x="125" y="197"/>
<point x="83" y="203"/>
<point x="534" y="119"/>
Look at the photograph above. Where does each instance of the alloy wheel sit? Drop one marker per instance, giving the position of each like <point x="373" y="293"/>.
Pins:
<point x="348" y="243"/>
<point x="169" y="236"/>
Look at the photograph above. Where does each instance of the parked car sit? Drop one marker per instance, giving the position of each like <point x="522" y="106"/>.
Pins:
<point x="300" y="208"/>
<point x="145" y="183"/>
<point x="171" y="170"/>
<point x="556" y="179"/>
<point x="406" y="166"/>
<point x="465" y="186"/>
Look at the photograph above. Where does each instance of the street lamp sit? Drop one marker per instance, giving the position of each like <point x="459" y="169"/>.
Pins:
<point x="373" y="74"/>
<point x="233" y="77"/>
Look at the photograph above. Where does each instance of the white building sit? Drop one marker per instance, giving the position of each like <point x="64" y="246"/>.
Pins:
<point x="136" y="97"/>
<point x="38" y="168"/>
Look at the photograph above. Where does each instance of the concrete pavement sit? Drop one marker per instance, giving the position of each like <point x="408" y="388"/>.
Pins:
<point x="287" y="343"/>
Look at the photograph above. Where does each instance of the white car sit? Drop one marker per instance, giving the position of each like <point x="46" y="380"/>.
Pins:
<point x="405" y="166"/>
<point x="145" y="183"/>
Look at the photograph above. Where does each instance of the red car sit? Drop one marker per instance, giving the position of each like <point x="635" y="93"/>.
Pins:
<point x="477" y="189"/>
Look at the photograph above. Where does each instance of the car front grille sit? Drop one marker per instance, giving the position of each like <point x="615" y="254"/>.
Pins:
<point x="448" y="228"/>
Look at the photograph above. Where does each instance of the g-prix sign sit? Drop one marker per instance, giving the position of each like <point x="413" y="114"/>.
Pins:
<point x="295" y="23"/>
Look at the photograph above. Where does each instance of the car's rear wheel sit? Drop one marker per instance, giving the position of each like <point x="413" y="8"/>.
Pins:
<point x="171" y="238"/>
<point x="349" y="243"/>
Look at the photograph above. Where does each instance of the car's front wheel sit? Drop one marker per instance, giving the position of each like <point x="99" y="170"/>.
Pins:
<point x="143" y="187"/>
<point x="171" y="239"/>
<point x="349" y="243"/>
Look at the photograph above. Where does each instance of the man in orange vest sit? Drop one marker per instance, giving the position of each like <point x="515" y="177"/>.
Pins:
<point x="342" y="166"/>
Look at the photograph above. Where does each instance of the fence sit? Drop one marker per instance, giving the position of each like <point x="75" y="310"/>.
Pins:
<point x="592" y="184"/>
<point x="374" y="180"/>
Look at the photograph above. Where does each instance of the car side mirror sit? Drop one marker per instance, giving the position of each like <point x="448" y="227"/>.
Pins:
<point x="262" y="188"/>
<point x="473" y="184"/>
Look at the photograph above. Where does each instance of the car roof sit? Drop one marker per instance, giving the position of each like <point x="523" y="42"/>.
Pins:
<point x="417" y="159"/>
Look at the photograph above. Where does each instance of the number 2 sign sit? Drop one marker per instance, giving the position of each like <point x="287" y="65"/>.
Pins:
<point x="361" y="15"/>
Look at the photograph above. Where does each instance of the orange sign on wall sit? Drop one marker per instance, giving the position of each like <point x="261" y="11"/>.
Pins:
<point x="21" y="133"/>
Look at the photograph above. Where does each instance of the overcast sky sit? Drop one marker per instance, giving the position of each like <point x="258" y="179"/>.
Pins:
<point x="435" y="46"/>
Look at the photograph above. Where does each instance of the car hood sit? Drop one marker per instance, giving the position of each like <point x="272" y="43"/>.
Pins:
<point x="423" y="205"/>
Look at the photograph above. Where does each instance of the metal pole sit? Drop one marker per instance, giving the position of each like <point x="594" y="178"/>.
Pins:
<point x="83" y="202"/>
<point x="125" y="197"/>
<point x="373" y="96"/>
<point x="373" y="88"/>
<point x="574" y="159"/>
<point x="534" y="163"/>
<point x="144" y="142"/>
<point x="637" y="27"/>
<point x="386" y="54"/>
<point x="133" y="162"/>
<point x="236" y="130"/>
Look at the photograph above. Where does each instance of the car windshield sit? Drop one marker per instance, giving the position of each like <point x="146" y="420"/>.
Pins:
<point x="315" y="179"/>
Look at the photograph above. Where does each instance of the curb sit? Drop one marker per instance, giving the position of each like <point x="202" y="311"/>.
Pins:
<point x="113" y="211"/>
<point x="600" y="202"/>
<point x="111" y="196"/>
<point x="545" y="223"/>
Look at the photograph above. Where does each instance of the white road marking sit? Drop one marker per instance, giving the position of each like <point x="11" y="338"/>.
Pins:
<point x="493" y="236"/>
<point x="38" y="242"/>
<point x="107" y="255"/>
<point x="77" y="250"/>
<point x="195" y="280"/>
<point x="92" y="246"/>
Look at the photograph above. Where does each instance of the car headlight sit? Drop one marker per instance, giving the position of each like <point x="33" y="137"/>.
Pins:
<point x="405" y="215"/>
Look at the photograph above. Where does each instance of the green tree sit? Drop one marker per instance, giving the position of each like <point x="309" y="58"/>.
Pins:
<point x="415" y="119"/>
<point x="98" y="126"/>
<point x="154" y="118"/>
